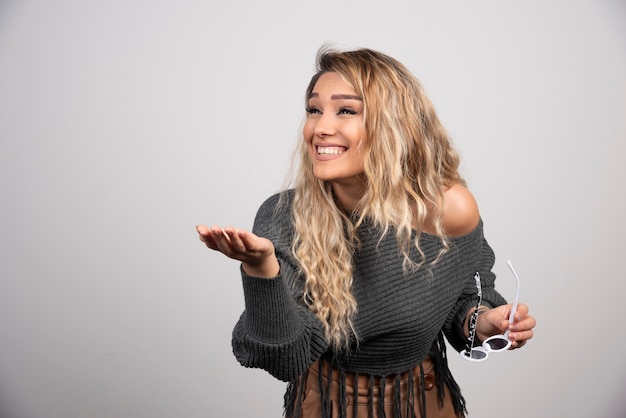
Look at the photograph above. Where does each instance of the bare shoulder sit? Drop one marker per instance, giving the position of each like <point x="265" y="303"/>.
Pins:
<point x="462" y="215"/>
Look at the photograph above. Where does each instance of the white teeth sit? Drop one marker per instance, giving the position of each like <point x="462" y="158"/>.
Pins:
<point x="330" y="150"/>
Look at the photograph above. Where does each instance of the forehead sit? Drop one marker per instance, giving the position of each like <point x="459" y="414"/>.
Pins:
<point x="331" y="82"/>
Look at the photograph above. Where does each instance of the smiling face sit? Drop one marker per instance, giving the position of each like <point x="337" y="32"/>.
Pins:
<point x="334" y="130"/>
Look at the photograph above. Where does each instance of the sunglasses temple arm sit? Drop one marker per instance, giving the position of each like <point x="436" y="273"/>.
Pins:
<point x="514" y="307"/>
<point x="472" y="322"/>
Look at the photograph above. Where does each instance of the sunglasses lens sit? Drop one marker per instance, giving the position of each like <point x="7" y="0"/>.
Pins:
<point x="498" y="343"/>
<point x="476" y="354"/>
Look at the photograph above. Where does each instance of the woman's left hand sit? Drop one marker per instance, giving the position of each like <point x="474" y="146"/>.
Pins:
<point x="496" y="321"/>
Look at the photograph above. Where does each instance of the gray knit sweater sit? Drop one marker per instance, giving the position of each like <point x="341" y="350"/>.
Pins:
<point x="399" y="315"/>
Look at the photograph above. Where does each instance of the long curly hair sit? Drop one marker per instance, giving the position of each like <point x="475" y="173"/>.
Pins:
<point x="409" y="161"/>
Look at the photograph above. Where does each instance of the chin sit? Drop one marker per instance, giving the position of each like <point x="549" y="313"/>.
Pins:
<point x="322" y="177"/>
<point x="324" y="174"/>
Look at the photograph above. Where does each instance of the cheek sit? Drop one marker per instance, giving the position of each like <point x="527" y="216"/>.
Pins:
<point x="307" y="131"/>
<point x="358" y="136"/>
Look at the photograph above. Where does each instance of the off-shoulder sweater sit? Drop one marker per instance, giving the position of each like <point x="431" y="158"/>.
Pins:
<point x="401" y="315"/>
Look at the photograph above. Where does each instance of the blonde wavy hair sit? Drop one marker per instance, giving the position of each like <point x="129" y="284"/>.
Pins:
<point x="409" y="161"/>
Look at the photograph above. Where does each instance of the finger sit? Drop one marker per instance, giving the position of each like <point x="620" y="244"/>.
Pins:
<point x="222" y="240"/>
<point x="220" y="233"/>
<point x="517" y="344"/>
<point x="236" y="243"/>
<point x="248" y="239"/>
<point x="203" y="231"/>
<point x="527" y="323"/>
<point x="520" y="312"/>
<point x="522" y="320"/>
<point x="209" y="242"/>
<point x="205" y="235"/>
<point x="519" y="339"/>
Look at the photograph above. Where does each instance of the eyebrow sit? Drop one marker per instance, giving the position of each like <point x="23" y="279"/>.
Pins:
<point x="339" y="96"/>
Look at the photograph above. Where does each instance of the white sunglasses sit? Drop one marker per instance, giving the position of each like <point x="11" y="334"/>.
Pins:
<point x="495" y="343"/>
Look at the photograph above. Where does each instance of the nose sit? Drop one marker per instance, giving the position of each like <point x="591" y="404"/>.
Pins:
<point x="325" y="125"/>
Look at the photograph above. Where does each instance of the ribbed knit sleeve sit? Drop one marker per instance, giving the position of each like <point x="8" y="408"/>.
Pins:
<point x="276" y="332"/>
<point x="481" y="260"/>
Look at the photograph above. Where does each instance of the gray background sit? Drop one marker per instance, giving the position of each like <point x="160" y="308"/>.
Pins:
<point x="125" y="123"/>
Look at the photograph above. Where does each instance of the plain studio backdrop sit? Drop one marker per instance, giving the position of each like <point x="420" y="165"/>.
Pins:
<point x="123" y="124"/>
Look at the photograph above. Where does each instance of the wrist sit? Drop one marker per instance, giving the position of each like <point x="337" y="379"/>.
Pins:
<point x="479" y="336"/>
<point x="268" y="268"/>
<point x="482" y="310"/>
<point x="478" y="311"/>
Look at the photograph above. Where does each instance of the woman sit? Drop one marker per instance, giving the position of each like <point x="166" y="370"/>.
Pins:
<point x="353" y="277"/>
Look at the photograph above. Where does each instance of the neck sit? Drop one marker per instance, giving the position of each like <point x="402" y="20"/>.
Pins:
<point x="349" y="195"/>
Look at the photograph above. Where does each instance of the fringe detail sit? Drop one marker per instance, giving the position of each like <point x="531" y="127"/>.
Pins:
<point x="397" y="407"/>
<point x="289" y="399"/>
<point x="423" y="391"/>
<point x="381" y="400"/>
<point x="343" y="408"/>
<point x="294" y="395"/>
<point x="410" y="402"/>
<point x="444" y="377"/>
<point x="370" y="403"/>
<point x="355" y="410"/>
<point x="326" y="404"/>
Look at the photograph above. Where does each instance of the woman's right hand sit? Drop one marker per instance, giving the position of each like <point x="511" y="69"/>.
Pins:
<point x="255" y="253"/>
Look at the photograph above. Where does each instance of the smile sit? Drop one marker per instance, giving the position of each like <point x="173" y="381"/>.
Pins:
<point x="330" y="150"/>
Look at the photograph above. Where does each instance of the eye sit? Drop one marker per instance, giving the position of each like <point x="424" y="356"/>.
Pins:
<point x="313" y="111"/>
<point x="347" y="111"/>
